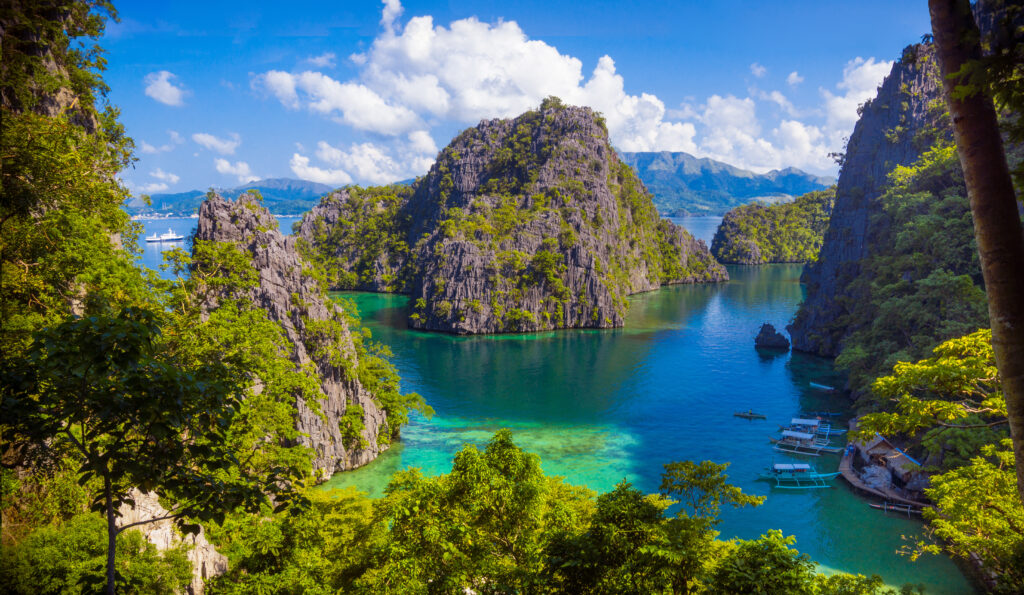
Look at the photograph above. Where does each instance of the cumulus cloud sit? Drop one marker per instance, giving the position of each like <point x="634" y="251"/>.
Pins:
<point x="349" y="103"/>
<point x="160" y="86"/>
<point x="151" y="188"/>
<point x="780" y="100"/>
<point x="165" y="148"/>
<point x="325" y="60"/>
<point x="238" y="168"/>
<point x="165" y="176"/>
<point x="301" y="168"/>
<point x="419" y="74"/>
<point x="224" y="146"/>
<point x="860" y="82"/>
<point x="368" y="162"/>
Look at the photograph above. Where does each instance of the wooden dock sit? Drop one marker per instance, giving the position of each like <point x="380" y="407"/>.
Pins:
<point x="846" y="469"/>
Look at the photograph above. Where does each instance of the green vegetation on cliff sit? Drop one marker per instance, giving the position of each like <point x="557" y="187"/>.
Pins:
<point x="520" y="225"/>
<point x="923" y="282"/>
<point x="111" y="378"/>
<point x="367" y="225"/>
<point x="785" y="232"/>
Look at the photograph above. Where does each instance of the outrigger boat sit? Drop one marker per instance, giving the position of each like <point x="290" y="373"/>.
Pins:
<point x="749" y="414"/>
<point x="797" y="476"/>
<point x="812" y="426"/>
<point x="804" y="444"/>
<point x="823" y="387"/>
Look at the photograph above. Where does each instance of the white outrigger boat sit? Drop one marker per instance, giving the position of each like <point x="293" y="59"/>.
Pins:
<point x="813" y="426"/>
<point x="803" y="443"/>
<point x="170" y="236"/>
<point x="797" y="476"/>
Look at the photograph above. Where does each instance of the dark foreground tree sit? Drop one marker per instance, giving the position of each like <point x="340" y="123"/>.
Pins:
<point x="997" y="223"/>
<point x="136" y="418"/>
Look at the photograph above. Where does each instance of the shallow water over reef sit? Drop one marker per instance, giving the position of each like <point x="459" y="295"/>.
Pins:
<point x="603" y="406"/>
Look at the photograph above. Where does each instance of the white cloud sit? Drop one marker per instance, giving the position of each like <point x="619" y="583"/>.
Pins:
<point x="780" y="100"/>
<point x="220" y="145"/>
<point x="239" y="168"/>
<point x="325" y="60"/>
<point x="860" y="81"/>
<point x="165" y="148"/>
<point x="417" y="75"/>
<point x="356" y="105"/>
<point x="151" y="188"/>
<point x="301" y="168"/>
<point x="165" y="176"/>
<point x="369" y="162"/>
<point x="392" y="10"/>
<point x="159" y="86"/>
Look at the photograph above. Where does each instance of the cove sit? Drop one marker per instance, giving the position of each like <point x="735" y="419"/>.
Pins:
<point x="603" y="406"/>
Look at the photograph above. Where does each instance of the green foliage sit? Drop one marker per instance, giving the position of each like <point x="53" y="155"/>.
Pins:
<point x="69" y="558"/>
<point x="954" y="398"/>
<point x="311" y="551"/>
<point x="786" y="232"/>
<point x="979" y="513"/>
<point x="922" y="285"/>
<point x="765" y="565"/>
<point x="953" y="405"/>
<point x="497" y="524"/>
<point x="371" y="224"/>
<point x="380" y="378"/>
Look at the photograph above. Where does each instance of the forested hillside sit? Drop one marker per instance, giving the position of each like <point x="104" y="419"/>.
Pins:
<point x="684" y="185"/>
<point x="786" y="232"/>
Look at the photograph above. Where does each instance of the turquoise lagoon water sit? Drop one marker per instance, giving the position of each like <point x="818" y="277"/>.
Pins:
<point x="603" y="406"/>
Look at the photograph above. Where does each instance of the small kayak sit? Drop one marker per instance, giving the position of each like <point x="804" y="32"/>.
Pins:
<point x="749" y="415"/>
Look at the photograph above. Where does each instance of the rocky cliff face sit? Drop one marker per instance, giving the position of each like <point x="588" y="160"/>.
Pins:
<point x="895" y="128"/>
<point x="292" y="298"/>
<point x="520" y="225"/>
<point x="206" y="561"/>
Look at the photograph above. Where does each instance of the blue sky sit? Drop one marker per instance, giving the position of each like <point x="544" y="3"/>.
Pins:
<point x="221" y="93"/>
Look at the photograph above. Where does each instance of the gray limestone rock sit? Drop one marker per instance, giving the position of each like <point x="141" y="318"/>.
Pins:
<point x="894" y="129"/>
<point x="521" y="225"/>
<point x="769" y="338"/>
<point x="292" y="298"/>
<point x="206" y="561"/>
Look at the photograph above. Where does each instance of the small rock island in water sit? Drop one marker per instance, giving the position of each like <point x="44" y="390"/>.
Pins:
<point x="769" y="338"/>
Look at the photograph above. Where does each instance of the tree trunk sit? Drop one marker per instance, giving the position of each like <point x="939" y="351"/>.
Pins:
<point x="997" y="224"/>
<point x="111" y="535"/>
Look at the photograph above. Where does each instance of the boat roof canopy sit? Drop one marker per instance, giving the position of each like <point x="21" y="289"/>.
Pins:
<point x="792" y="467"/>
<point x="800" y="435"/>
<point x="802" y="421"/>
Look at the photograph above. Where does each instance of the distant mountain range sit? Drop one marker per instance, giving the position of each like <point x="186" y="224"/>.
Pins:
<point x="681" y="184"/>
<point x="283" y="196"/>
<point x="686" y="185"/>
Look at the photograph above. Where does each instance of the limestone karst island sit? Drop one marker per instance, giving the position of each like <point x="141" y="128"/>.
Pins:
<point x="426" y="298"/>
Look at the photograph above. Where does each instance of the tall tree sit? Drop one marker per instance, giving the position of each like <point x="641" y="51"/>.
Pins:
<point x="137" y="416"/>
<point x="997" y="225"/>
